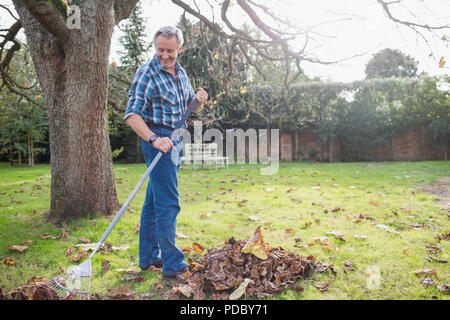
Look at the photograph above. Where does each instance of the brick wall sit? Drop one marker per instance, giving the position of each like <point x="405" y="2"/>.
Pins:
<point x="411" y="146"/>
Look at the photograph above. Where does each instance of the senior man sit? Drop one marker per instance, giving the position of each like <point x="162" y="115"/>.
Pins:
<point x="158" y="97"/>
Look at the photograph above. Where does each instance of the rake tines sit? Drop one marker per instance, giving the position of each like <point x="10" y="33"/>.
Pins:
<point x="76" y="282"/>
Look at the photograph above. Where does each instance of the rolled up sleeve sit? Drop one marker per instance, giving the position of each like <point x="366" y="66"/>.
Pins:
<point x="140" y="89"/>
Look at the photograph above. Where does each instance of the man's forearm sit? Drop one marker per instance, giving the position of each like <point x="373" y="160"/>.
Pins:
<point x="138" y="125"/>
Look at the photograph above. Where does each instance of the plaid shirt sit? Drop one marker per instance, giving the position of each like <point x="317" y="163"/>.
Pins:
<point x="156" y="96"/>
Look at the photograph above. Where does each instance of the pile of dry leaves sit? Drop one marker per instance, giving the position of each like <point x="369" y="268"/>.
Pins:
<point x="240" y="268"/>
<point x="246" y="268"/>
<point x="37" y="288"/>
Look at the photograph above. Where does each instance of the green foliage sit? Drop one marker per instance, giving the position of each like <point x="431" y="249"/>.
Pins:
<point x="132" y="56"/>
<point x="133" y="40"/>
<point x="360" y="115"/>
<point x="391" y="63"/>
<point x="23" y="126"/>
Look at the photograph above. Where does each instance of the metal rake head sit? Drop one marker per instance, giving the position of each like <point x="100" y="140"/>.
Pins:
<point x="76" y="281"/>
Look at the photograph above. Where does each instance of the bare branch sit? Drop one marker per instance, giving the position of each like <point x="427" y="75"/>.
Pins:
<point x="49" y="17"/>
<point x="385" y="5"/>
<point x="9" y="11"/>
<point x="123" y="9"/>
<point x="10" y="37"/>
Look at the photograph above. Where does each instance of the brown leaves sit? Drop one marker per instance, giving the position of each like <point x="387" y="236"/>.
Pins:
<point x="121" y="293"/>
<point x="322" y="286"/>
<point x="197" y="247"/>
<point x="230" y="272"/>
<point x="37" y="288"/>
<point x="9" y="261"/>
<point x="132" y="276"/>
<point x="426" y="271"/>
<point x="17" y="248"/>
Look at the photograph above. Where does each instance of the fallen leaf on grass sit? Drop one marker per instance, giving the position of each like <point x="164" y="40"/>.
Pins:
<point x="322" y="286"/>
<point x="122" y="293"/>
<point x="348" y="266"/>
<point x="85" y="240"/>
<point x="426" y="271"/>
<point x="80" y="255"/>
<point x="290" y="231"/>
<point x="132" y="276"/>
<point x="104" y="248"/>
<point x="27" y="242"/>
<point x="197" y="247"/>
<point x="444" y="287"/>
<point x="47" y="236"/>
<point x="428" y="282"/>
<point x="444" y="236"/>
<point x="69" y="252"/>
<point x="105" y="265"/>
<point x="17" y="248"/>
<point x="9" y="261"/>
<point x="436" y="259"/>
<point x="386" y="228"/>
<point x="433" y="249"/>
<point x="180" y="235"/>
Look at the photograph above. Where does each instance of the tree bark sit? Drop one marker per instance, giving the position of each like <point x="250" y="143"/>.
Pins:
<point x="74" y="76"/>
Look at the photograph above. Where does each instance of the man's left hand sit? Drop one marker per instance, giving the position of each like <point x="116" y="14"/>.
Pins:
<point x="201" y="97"/>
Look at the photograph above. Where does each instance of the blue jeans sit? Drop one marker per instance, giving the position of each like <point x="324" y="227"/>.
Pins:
<point x="161" y="208"/>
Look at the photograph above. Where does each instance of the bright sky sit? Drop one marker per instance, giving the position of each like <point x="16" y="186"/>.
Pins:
<point x="347" y="28"/>
<point x="350" y="27"/>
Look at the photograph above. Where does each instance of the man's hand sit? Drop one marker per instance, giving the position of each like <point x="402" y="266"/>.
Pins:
<point x="164" y="144"/>
<point x="201" y="97"/>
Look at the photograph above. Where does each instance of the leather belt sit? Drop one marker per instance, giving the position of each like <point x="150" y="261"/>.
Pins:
<point x="157" y="125"/>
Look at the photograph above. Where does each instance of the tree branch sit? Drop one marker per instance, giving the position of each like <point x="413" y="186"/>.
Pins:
<point x="123" y="9"/>
<point x="49" y="17"/>
<point x="385" y="5"/>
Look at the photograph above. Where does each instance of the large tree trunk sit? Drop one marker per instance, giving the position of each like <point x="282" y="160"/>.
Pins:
<point x="74" y="79"/>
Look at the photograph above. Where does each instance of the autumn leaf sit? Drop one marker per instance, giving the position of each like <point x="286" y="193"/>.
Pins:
<point x="290" y="231"/>
<point x="47" y="236"/>
<point x="9" y="261"/>
<point x="105" y="265"/>
<point x="17" y="248"/>
<point x="197" y="247"/>
<point x="442" y="62"/>
<point x="322" y="286"/>
<point x="85" y="240"/>
<point x="256" y="245"/>
<point x="426" y="271"/>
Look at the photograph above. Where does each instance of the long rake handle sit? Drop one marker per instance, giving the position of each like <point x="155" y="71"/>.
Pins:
<point x="119" y="214"/>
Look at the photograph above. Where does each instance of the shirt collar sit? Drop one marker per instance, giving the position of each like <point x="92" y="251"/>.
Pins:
<point x="159" y="66"/>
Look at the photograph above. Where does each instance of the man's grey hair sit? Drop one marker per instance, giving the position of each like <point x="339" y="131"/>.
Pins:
<point x="170" y="32"/>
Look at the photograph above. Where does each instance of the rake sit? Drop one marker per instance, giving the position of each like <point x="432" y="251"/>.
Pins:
<point x="77" y="280"/>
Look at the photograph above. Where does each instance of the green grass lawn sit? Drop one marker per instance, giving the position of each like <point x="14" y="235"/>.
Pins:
<point x="295" y="207"/>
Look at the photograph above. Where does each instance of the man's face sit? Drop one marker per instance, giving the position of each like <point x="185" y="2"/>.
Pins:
<point x="167" y="51"/>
